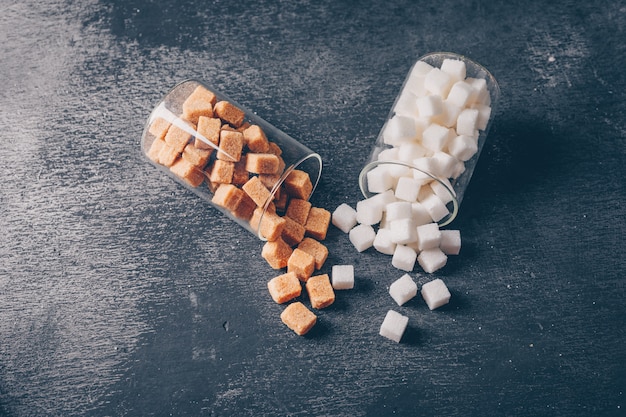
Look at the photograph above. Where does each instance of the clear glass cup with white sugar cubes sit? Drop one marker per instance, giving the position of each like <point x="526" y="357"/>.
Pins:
<point x="428" y="147"/>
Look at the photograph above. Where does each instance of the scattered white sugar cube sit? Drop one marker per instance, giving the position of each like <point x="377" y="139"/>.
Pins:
<point x="435" y="137"/>
<point x="467" y="122"/>
<point x="343" y="277"/>
<point x="460" y="93"/>
<point x="406" y="105"/>
<point x="403" y="289"/>
<point x="402" y="231"/>
<point x="379" y="179"/>
<point x="383" y="242"/>
<point x="362" y="237"/>
<point x="484" y="113"/>
<point x="404" y="258"/>
<point x="410" y="151"/>
<point x="407" y="189"/>
<point x="455" y="68"/>
<point x="435" y="207"/>
<point x="444" y="164"/>
<point x="435" y="293"/>
<point x="438" y="82"/>
<point x="393" y="326"/>
<point x="419" y="214"/>
<point x="398" y="210"/>
<point x="429" y="106"/>
<point x="462" y="147"/>
<point x="449" y="114"/>
<point x="428" y="236"/>
<point x="443" y="190"/>
<point x="432" y="259"/>
<point x="399" y="129"/>
<point x="450" y="242"/>
<point x="368" y="211"/>
<point x="344" y="217"/>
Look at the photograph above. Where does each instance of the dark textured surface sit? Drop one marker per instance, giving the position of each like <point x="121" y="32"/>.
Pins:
<point x="123" y="294"/>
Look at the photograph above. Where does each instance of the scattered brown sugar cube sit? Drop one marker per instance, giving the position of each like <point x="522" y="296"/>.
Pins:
<point x="268" y="223"/>
<point x="255" y="139"/>
<point x="302" y="264"/>
<point x="197" y="157"/>
<point x="274" y="149"/>
<point x="298" y="318"/>
<point x="231" y="145"/>
<point x="155" y="149"/>
<point x="293" y="232"/>
<point x="257" y="191"/>
<point x="315" y="249"/>
<point x="227" y="196"/>
<point x="298" y="184"/>
<point x="188" y="172"/>
<point x="320" y="290"/>
<point x="276" y="253"/>
<point x="317" y="223"/>
<point x="167" y="155"/>
<point x="158" y="128"/>
<point x="176" y="138"/>
<point x="199" y="103"/>
<point x="229" y="113"/>
<point x="241" y="174"/>
<point x="284" y="287"/>
<point x="221" y="172"/>
<point x="298" y="210"/>
<point x="245" y="207"/>
<point x="262" y="163"/>
<point x="209" y="128"/>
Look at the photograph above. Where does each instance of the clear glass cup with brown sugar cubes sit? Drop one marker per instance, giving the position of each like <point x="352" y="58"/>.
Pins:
<point x="242" y="165"/>
<point x="434" y="134"/>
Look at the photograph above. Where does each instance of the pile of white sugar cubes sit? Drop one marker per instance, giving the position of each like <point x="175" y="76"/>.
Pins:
<point x="434" y="127"/>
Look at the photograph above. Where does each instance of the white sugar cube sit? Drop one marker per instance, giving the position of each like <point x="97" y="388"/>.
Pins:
<point x="458" y="169"/>
<point x="393" y="326"/>
<point x="455" y="68"/>
<point x="481" y="92"/>
<point x="419" y="214"/>
<point x="420" y="69"/>
<point x="449" y="115"/>
<point x="368" y="211"/>
<point x="415" y="85"/>
<point x="379" y="179"/>
<point x="399" y="129"/>
<point x="467" y="122"/>
<point x="398" y="210"/>
<point x="404" y="258"/>
<point x="460" y="93"/>
<point x="462" y="147"/>
<point x="429" y="106"/>
<point x="435" y="137"/>
<point x="435" y="293"/>
<point x="410" y="151"/>
<point x="344" y="217"/>
<point x="407" y="189"/>
<point x="389" y="154"/>
<point x="406" y="105"/>
<point x="343" y="277"/>
<point x="383" y="242"/>
<point x="425" y="166"/>
<point x="444" y="164"/>
<point x="403" y="289"/>
<point x="428" y="236"/>
<point x="362" y="237"/>
<point x="484" y="113"/>
<point x="450" y="242"/>
<point x="432" y="260"/>
<point x="443" y="190"/>
<point x="438" y="82"/>
<point x="402" y="231"/>
<point x="382" y="199"/>
<point x="435" y="207"/>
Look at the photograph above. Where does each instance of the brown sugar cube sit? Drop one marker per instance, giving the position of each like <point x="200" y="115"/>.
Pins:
<point x="276" y="253"/>
<point x="298" y="184"/>
<point x="302" y="264"/>
<point x="284" y="287"/>
<point x="158" y="128"/>
<point x="167" y="155"/>
<point x="231" y="145"/>
<point x="255" y="139"/>
<point x="242" y="128"/>
<point x="317" y="223"/>
<point x="280" y="199"/>
<point x="241" y="174"/>
<point x="315" y="249"/>
<point x="274" y="149"/>
<point x="188" y="172"/>
<point x="320" y="290"/>
<point x="229" y="113"/>
<point x="245" y="207"/>
<point x="209" y="128"/>
<point x="298" y="210"/>
<point x="268" y="223"/>
<point x="177" y="138"/>
<point x="269" y="180"/>
<point x="199" y="103"/>
<point x="262" y="163"/>
<point x="257" y="191"/>
<point x="298" y="318"/>
<point x="155" y="149"/>
<point x="227" y="196"/>
<point x="195" y="156"/>
<point x="221" y="172"/>
<point x="293" y="232"/>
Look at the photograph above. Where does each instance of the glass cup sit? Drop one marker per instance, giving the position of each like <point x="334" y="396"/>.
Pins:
<point x="214" y="153"/>
<point x="430" y="96"/>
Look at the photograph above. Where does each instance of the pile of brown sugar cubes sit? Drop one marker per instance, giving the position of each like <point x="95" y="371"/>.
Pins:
<point x="240" y="167"/>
